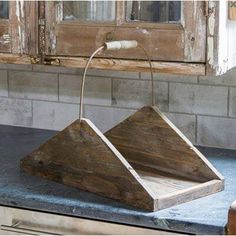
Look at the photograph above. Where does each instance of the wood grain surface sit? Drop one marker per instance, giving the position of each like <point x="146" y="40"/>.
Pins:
<point x="147" y="139"/>
<point x="164" y="158"/>
<point x="80" y="156"/>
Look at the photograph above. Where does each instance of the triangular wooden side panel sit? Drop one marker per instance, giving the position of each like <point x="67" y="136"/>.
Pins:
<point x="81" y="156"/>
<point x="163" y="157"/>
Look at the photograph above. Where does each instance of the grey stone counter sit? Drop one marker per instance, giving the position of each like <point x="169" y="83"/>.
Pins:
<point x="207" y="215"/>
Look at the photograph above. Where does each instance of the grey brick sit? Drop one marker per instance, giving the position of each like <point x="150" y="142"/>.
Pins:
<point x="198" y="99"/>
<point x="161" y="95"/>
<point x="106" y="117"/>
<point x="135" y="94"/>
<point x="216" y="132"/>
<point x="58" y="69"/>
<point x="185" y="123"/>
<point x="16" y="112"/>
<point x="3" y="83"/>
<point x="232" y="102"/>
<point x="52" y="115"/>
<point x="227" y="79"/>
<point x="170" y="77"/>
<point x="114" y="74"/>
<point x="97" y="90"/>
<point x="26" y="67"/>
<point x="33" y="85"/>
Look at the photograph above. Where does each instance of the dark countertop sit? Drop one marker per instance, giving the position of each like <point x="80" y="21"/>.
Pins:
<point x="207" y="215"/>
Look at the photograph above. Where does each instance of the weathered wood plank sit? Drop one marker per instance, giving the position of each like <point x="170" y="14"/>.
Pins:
<point x="87" y="35"/>
<point x="17" y="25"/>
<point x="134" y="65"/>
<point x="189" y="194"/>
<point x="194" y="23"/>
<point x="164" y="158"/>
<point x="14" y="58"/>
<point x="80" y="156"/>
<point x="31" y="18"/>
<point x="5" y="36"/>
<point x="115" y="64"/>
<point x="147" y="139"/>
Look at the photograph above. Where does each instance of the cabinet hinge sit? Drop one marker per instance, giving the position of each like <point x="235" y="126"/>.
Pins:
<point x="45" y="61"/>
<point x="35" y="60"/>
<point x="51" y="61"/>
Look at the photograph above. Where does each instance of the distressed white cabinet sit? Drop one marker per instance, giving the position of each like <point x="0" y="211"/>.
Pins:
<point x="17" y="29"/>
<point x="19" y="221"/>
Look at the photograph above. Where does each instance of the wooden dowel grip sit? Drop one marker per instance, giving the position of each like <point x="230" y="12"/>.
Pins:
<point x="124" y="44"/>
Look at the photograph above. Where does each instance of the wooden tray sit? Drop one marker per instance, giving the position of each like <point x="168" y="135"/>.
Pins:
<point x="166" y="161"/>
<point x="149" y="164"/>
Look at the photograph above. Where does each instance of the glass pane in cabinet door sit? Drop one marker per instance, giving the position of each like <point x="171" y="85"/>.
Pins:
<point x="153" y="11"/>
<point x="4" y="9"/>
<point x="92" y="11"/>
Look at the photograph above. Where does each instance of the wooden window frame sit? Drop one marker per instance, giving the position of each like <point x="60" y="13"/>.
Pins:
<point x="168" y="42"/>
<point x="199" y="56"/>
<point x="19" y="32"/>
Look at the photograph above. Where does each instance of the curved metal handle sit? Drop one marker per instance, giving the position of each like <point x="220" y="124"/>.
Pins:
<point x="114" y="45"/>
<point x="15" y="229"/>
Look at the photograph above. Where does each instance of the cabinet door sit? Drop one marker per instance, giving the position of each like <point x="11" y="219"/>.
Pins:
<point x="169" y="30"/>
<point x="18" y="27"/>
<point x="18" y="221"/>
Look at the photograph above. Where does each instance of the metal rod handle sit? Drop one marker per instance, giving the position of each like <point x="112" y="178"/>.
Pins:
<point x="83" y="81"/>
<point x="114" y="45"/>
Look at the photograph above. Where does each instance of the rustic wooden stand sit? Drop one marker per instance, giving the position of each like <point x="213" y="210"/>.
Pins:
<point x="144" y="161"/>
<point x="170" y="166"/>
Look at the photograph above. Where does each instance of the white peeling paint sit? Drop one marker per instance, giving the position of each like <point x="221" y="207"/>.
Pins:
<point x="211" y="24"/>
<point x="59" y="12"/>
<point x="21" y="32"/>
<point x="211" y="34"/>
<point x="144" y="31"/>
<point x="53" y="41"/>
<point x="5" y="39"/>
<point x="210" y="51"/>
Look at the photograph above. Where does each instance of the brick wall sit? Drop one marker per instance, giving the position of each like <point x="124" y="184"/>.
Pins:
<point x="203" y="108"/>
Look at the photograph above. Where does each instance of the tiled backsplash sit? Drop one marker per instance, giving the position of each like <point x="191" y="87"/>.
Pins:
<point x="203" y="108"/>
